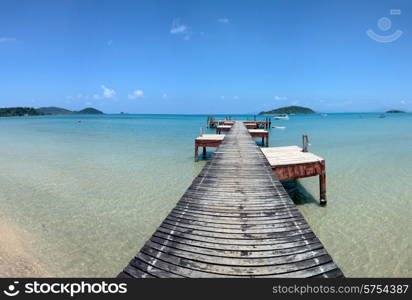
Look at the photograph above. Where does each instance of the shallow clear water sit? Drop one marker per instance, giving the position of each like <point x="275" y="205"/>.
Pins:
<point x="91" y="193"/>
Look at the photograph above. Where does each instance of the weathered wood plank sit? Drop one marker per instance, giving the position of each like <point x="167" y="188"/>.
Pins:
<point x="235" y="220"/>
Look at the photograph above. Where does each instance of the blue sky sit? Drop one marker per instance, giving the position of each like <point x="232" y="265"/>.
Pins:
<point x="206" y="56"/>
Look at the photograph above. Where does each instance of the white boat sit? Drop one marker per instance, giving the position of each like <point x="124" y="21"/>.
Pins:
<point x="281" y="117"/>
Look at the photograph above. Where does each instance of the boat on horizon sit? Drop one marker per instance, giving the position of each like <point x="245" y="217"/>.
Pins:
<point x="281" y="117"/>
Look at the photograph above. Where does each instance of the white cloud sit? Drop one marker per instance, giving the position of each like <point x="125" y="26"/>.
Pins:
<point x="136" y="94"/>
<point x="108" y="93"/>
<point x="280" y="98"/>
<point x="4" y="39"/>
<point x="223" y="20"/>
<point x="178" y="28"/>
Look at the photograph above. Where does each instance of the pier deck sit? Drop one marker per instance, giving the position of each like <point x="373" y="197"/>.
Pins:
<point x="207" y="140"/>
<point x="235" y="220"/>
<point x="212" y="123"/>
<point x="291" y="162"/>
<point x="221" y="128"/>
<point x="251" y="125"/>
<point x="260" y="133"/>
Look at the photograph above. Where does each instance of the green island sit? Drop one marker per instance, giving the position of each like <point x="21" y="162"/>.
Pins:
<point x="19" y="111"/>
<point x="288" y="110"/>
<point x="395" y="111"/>
<point x="52" y="110"/>
<point x="89" y="111"/>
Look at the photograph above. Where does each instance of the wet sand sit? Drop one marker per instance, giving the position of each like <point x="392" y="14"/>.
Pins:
<point x="16" y="259"/>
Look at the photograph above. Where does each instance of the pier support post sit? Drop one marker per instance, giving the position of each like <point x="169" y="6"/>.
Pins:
<point x="305" y="142"/>
<point x="322" y="184"/>
<point x="196" y="153"/>
<point x="204" y="152"/>
<point x="263" y="141"/>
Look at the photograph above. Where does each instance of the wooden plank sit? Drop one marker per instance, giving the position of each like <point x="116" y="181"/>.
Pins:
<point x="235" y="220"/>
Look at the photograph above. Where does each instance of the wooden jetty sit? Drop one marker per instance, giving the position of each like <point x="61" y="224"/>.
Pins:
<point x="221" y="128"/>
<point x="228" y="123"/>
<point x="212" y="123"/>
<point x="207" y="140"/>
<point x="260" y="133"/>
<point x="251" y="125"/>
<point x="292" y="162"/>
<point x="235" y="220"/>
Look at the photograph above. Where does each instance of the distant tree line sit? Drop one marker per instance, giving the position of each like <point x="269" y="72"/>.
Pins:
<point x="19" y="111"/>
<point x="30" y="111"/>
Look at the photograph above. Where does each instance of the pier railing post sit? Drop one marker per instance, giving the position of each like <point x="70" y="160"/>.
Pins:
<point x="305" y="142"/>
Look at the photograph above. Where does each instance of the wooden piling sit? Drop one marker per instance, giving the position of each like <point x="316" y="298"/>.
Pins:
<point x="305" y="142"/>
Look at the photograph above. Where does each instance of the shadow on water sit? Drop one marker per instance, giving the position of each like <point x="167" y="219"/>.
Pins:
<point x="209" y="154"/>
<point x="298" y="193"/>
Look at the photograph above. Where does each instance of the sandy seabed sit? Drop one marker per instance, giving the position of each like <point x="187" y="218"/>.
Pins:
<point x="16" y="259"/>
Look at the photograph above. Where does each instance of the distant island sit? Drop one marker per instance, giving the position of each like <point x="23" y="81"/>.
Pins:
<point x="288" y="110"/>
<point x="395" y="111"/>
<point x="89" y="111"/>
<point x="30" y="111"/>
<point x="19" y="111"/>
<point x="52" y="110"/>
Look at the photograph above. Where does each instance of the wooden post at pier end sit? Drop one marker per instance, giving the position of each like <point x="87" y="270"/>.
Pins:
<point x="305" y="142"/>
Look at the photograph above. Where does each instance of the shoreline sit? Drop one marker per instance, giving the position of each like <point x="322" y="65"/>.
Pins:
<point x="16" y="259"/>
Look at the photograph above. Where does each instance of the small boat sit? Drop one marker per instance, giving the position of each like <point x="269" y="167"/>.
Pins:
<point x="281" y="117"/>
<point x="279" y="127"/>
<point x="382" y="116"/>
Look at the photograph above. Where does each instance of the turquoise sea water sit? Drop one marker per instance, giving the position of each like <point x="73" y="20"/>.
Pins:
<point x="91" y="193"/>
